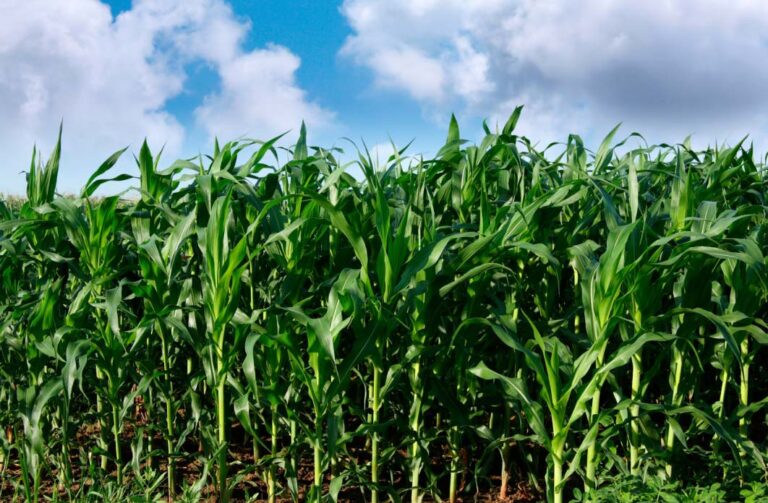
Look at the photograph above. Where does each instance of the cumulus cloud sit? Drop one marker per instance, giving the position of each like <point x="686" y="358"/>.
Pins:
<point x="666" y="68"/>
<point x="111" y="78"/>
<point x="259" y="96"/>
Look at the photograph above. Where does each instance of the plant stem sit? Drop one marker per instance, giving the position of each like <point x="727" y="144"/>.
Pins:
<point x="271" y="473"/>
<point x="724" y="376"/>
<point x="454" y="465"/>
<point x="168" y="416"/>
<point x="102" y="441"/>
<point x="221" y="415"/>
<point x="557" y="478"/>
<point x="634" y="410"/>
<point x="64" y="414"/>
<point x="318" y="459"/>
<point x="415" y="429"/>
<point x="149" y="404"/>
<point x="634" y="413"/>
<point x="455" y="439"/>
<point x="744" y="385"/>
<point x="116" y="436"/>
<point x="677" y="365"/>
<point x="576" y="319"/>
<point x="590" y="481"/>
<point x="558" y="444"/>
<point x="374" y="437"/>
<point x="506" y="418"/>
<point x="505" y="451"/>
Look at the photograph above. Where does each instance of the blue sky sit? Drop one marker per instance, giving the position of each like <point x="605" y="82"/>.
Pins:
<point x="180" y="72"/>
<point x="315" y="31"/>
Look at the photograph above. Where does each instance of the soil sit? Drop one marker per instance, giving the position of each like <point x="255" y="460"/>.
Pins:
<point x="241" y="455"/>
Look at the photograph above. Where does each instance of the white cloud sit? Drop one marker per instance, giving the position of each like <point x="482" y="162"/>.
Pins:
<point x="422" y="76"/>
<point x="110" y="80"/>
<point x="666" y="68"/>
<point x="259" y="97"/>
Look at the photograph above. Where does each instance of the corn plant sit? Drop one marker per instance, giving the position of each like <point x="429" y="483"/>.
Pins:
<point x="264" y="322"/>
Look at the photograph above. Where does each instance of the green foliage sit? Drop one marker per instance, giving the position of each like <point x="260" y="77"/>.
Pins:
<point x="587" y="326"/>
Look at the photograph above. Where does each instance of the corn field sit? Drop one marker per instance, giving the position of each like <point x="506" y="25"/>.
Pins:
<point x="502" y="320"/>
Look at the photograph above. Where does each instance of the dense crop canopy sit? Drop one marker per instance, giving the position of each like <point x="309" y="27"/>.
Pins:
<point x="497" y="317"/>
